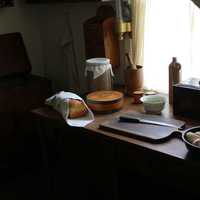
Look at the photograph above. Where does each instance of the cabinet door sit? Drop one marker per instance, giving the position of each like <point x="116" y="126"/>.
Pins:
<point x="60" y="1"/>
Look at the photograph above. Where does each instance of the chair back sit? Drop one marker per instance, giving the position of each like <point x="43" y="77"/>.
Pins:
<point x="13" y="56"/>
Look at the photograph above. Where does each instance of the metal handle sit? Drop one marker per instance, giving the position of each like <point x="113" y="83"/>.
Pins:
<point x="129" y="119"/>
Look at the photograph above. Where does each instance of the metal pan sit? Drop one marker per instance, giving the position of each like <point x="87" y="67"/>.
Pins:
<point x="191" y="147"/>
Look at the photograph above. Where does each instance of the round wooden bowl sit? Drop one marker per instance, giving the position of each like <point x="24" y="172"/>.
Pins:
<point x="105" y="101"/>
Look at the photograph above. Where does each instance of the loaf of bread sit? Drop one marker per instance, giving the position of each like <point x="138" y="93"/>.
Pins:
<point x="76" y="108"/>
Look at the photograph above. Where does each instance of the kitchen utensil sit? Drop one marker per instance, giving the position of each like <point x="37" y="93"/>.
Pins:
<point x="137" y="97"/>
<point x="147" y="132"/>
<point x="153" y="103"/>
<point x="105" y="101"/>
<point x="153" y="133"/>
<point x="133" y="79"/>
<point x="127" y="118"/>
<point x="191" y="147"/>
<point x="130" y="62"/>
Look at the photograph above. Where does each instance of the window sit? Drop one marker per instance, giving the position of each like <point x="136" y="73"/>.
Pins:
<point x="172" y="29"/>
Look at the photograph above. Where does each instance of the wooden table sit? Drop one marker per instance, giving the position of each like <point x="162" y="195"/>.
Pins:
<point x="168" y="164"/>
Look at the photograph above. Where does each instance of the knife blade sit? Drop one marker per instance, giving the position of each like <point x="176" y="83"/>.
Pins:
<point x="126" y="118"/>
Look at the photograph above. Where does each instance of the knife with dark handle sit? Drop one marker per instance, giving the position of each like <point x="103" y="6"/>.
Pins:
<point x="126" y="118"/>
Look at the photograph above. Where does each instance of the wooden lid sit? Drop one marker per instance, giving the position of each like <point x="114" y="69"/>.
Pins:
<point x="104" y="96"/>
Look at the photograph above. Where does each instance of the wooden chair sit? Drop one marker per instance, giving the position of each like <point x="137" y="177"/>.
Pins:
<point x="20" y="91"/>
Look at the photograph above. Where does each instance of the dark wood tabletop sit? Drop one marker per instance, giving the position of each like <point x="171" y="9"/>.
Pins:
<point x="173" y="146"/>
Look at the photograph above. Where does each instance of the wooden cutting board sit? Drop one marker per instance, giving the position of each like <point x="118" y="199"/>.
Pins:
<point x="152" y="133"/>
<point x="105" y="101"/>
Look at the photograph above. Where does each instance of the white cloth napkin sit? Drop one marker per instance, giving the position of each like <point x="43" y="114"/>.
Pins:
<point x="99" y="70"/>
<point x="60" y="102"/>
<point x="98" y="66"/>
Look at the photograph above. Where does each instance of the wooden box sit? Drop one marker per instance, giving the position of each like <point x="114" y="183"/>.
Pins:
<point x="187" y="98"/>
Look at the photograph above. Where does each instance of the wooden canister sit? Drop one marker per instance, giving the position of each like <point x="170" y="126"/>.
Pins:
<point x="105" y="101"/>
<point x="133" y="80"/>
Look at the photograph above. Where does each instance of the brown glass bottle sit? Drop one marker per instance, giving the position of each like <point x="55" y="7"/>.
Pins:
<point x="174" y="76"/>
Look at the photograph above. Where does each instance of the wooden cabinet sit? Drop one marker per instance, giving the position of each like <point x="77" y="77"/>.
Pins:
<point x="60" y="1"/>
<point x="100" y="37"/>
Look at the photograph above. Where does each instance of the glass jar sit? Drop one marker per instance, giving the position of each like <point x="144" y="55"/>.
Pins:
<point x="99" y="74"/>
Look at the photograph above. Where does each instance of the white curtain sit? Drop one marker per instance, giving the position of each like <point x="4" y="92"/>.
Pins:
<point x="171" y="29"/>
<point x="138" y="19"/>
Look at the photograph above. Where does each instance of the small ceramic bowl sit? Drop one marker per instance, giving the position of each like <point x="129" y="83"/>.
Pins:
<point x="153" y="104"/>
